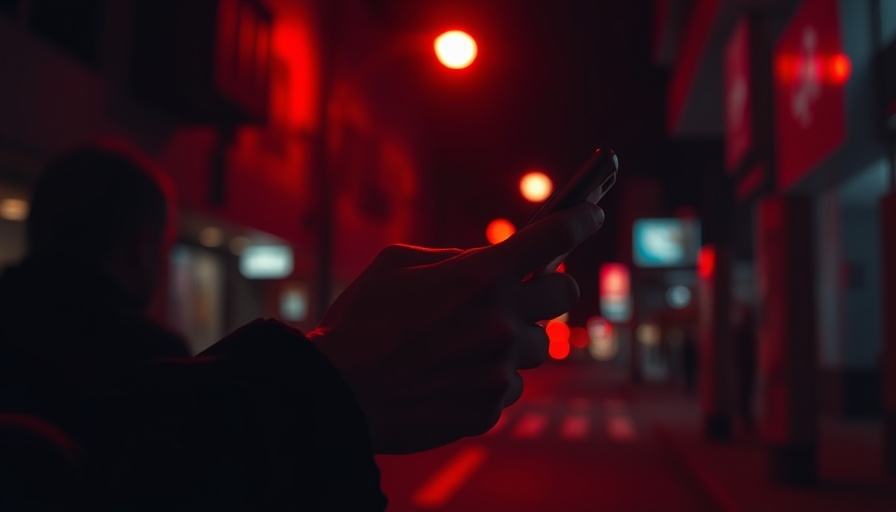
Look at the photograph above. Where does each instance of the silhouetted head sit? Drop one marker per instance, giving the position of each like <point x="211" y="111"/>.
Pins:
<point x="105" y="204"/>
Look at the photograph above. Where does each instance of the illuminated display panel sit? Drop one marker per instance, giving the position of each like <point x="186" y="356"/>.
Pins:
<point x="266" y="262"/>
<point x="665" y="242"/>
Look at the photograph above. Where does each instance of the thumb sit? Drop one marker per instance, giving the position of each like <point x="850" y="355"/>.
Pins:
<point x="401" y="256"/>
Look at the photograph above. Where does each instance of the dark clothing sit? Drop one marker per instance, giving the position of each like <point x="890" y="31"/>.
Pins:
<point x="67" y="332"/>
<point x="260" y="421"/>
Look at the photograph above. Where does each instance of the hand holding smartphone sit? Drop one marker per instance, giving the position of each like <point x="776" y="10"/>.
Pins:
<point x="588" y="183"/>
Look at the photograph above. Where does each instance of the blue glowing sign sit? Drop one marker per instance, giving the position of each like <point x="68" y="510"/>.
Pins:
<point x="666" y="242"/>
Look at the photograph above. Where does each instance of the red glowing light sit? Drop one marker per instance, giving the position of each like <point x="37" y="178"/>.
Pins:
<point x="559" y="350"/>
<point x="706" y="262"/>
<point x="828" y="69"/>
<point x="456" y="49"/>
<point x="578" y="337"/>
<point x="838" y="69"/>
<point x="558" y="334"/>
<point x="561" y="268"/>
<point x="614" y="280"/>
<point x="499" y="230"/>
<point x="536" y="186"/>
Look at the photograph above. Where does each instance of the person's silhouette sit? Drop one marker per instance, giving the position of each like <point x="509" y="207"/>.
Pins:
<point x="72" y="314"/>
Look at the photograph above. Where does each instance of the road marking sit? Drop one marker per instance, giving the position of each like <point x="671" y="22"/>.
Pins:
<point x="620" y="428"/>
<point x="499" y="426"/>
<point x="445" y="483"/>
<point x="530" y="426"/>
<point x="574" y="427"/>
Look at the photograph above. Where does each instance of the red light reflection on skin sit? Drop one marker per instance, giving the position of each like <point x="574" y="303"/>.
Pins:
<point x="499" y="230"/>
<point x="558" y="334"/>
<point x="828" y="69"/>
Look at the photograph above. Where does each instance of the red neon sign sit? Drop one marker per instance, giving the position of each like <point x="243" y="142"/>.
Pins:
<point x="614" y="280"/>
<point x="706" y="262"/>
<point x="810" y="75"/>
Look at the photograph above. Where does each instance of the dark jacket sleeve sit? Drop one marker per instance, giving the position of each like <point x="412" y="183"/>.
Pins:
<point x="260" y="421"/>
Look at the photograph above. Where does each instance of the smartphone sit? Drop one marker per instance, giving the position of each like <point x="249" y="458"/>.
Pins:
<point x="588" y="183"/>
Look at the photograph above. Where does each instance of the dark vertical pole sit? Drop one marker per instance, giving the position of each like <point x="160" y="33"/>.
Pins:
<point x="321" y="172"/>
<point x="714" y="339"/>
<point x="715" y="365"/>
<point x="788" y="367"/>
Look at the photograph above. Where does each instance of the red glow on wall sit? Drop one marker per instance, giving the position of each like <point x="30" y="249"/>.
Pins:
<point x="499" y="230"/>
<point x="294" y="93"/>
<point x="558" y="334"/>
<point x="706" y="262"/>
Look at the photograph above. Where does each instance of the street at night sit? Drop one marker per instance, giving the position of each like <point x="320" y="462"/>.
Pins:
<point x="583" y="439"/>
<point x="290" y="254"/>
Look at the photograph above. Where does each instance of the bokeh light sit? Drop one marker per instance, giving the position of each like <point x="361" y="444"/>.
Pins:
<point x="499" y="230"/>
<point x="678" y="296"/>
<point x="211" y="237"/>
<point x="558" y="334"/>
<point x="14" y="209"/>
<point x="578" y="337"/>
<point x="536" y="186"/>
<point x="603" y="344"/>
<point x="456" y="49"/>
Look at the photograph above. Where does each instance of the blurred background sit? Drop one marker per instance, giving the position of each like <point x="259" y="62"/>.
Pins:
<point x="735" y="345"/>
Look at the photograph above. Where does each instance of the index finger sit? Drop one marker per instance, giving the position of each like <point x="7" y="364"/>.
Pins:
<point x="539" y="243"/>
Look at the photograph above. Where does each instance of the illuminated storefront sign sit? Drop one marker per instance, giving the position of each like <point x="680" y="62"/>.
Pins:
<point x="810" y="73"/>
<point x="665" y="242"/>
<point x="615" y="292"/>
<point x="266" y="262"/>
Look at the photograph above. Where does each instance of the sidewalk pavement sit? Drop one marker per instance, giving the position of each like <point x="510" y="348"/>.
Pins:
<point x="735" y="474"/>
